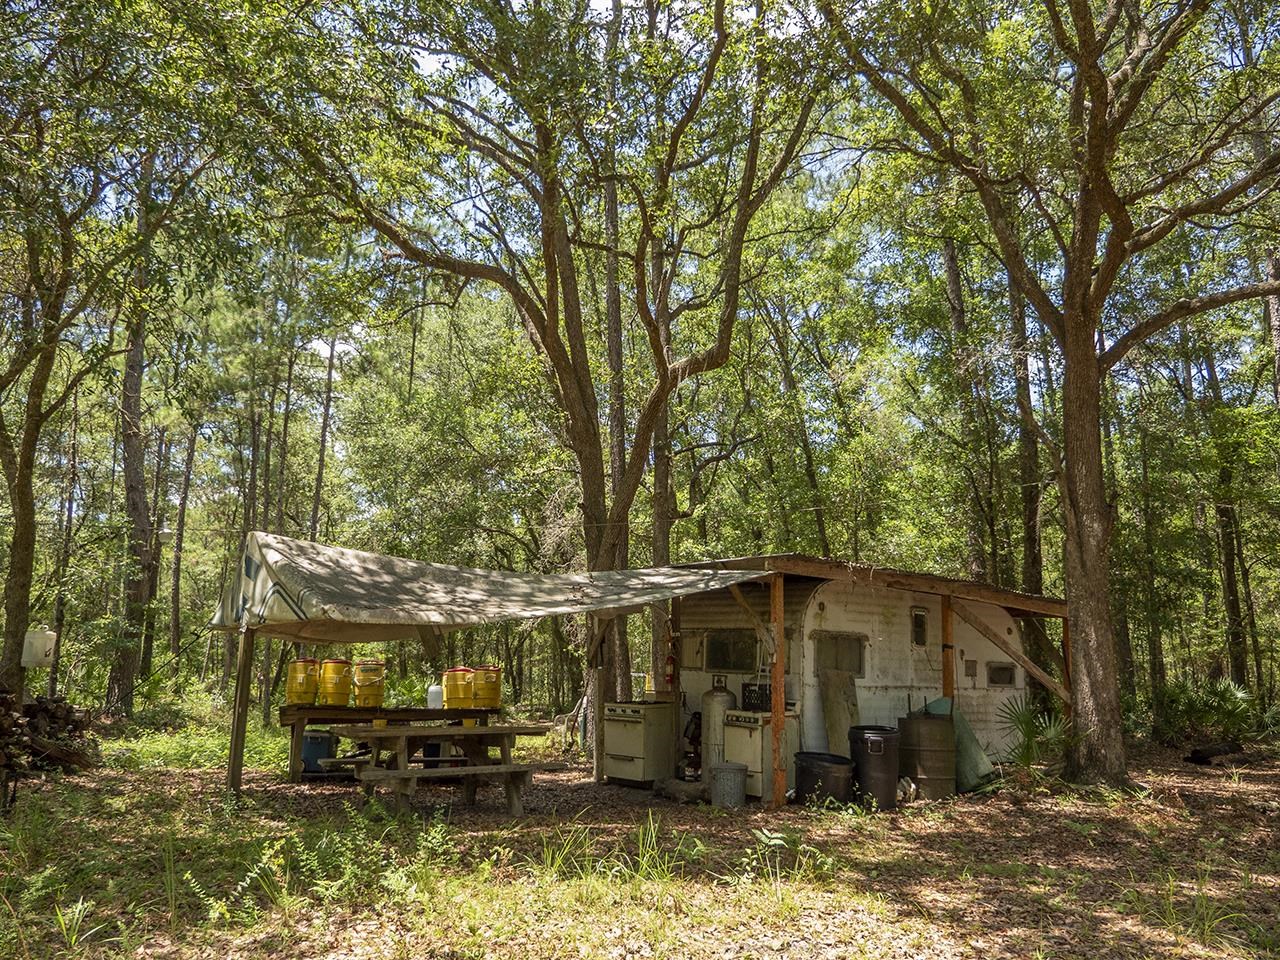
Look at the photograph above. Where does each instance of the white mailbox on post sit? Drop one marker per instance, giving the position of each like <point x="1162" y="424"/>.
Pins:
<point x="37" y="651"/>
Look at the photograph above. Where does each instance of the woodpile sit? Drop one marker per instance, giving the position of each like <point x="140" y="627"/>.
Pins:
<point x="46" y="734"/>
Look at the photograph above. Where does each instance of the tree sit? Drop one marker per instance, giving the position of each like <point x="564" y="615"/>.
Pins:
<point x="992" y="95"/>
<point x="72" y="168"/>
<point x="509" y="108"/>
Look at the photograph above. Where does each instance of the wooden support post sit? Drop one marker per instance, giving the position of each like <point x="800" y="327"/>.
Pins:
<point x="296" y="732"/>
<point x="777" y="680"/>
<point x="240" y="711"/>
<point x="677" y="697"/>
<point x="596" y="662"/>
<point x="948" y="650"/>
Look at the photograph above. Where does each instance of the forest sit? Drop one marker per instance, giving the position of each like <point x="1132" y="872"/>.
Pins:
<point x="989" y="291"/>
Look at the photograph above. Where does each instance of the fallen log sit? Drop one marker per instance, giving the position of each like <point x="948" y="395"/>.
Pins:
<point x="1204" y="755"/>
<point x="69" y="756"/>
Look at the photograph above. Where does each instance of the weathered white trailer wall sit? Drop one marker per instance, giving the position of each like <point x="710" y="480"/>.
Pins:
<point x="895" y="670"/>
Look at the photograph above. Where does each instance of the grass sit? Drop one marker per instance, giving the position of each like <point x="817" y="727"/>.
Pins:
<point x="150" y="854"/>
<point x="100" y="872"/>
<point x="1191" y="910"/>
<point x="200" y="740"/>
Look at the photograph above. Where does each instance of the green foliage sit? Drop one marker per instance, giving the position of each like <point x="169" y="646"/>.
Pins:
<point x="1194" y="911"/>
<point x="568" y="852"/>
<point x="779" y="857"/>
<point x="202" y="744"/>
<point x="1219" y="710"/>
<point x="1038" y="736"/>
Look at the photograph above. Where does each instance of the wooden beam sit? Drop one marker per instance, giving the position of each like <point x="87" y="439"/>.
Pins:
<point x="240" y="710"/>
<point x="764" y="633"/>
<point x="948" y="650"/>
<point x="777" y="680"/>
<point x="965" y="613"/>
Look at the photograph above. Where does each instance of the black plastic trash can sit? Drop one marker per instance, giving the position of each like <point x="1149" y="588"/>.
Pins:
<point x="875" y="760"/>
<point x="822" y="775"/>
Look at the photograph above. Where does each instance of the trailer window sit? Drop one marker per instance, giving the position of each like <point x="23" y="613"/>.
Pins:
<point x="1001" y="675"/>
<point x="919" y="626"/>
<point x="731" y="650"/>
<point x="841" y="650"/>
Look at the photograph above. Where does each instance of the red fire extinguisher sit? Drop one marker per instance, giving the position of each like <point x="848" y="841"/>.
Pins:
<point x="669" y="671"/>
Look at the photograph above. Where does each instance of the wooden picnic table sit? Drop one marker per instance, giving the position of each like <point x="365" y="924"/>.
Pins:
<point x="400" y="742"/>
<point x="300" y="716"/>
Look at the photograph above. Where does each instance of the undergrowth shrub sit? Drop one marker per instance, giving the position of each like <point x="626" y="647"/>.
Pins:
<point x="1038" y="735"/>
<point x="779" y="857"/>
<point x="1218" y="710"/>
<point x="568" y="852"/>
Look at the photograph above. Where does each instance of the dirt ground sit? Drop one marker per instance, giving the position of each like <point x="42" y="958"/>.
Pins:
<point x="1186" y="866"/>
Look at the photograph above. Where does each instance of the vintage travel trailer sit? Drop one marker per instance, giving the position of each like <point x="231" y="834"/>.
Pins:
<point x="863" y="646"/>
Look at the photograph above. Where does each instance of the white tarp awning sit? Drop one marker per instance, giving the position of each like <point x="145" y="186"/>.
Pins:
<point x="324" y="594"/>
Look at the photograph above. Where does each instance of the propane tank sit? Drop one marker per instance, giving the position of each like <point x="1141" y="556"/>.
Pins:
<point x="716" y="702"/>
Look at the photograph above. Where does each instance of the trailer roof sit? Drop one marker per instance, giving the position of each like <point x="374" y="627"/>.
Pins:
<point x="795" y="564"/>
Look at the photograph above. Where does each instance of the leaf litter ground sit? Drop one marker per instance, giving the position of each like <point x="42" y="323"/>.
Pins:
<point x="161" y="863"/>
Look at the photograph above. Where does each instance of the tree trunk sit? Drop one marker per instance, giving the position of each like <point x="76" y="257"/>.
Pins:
<point x="324" y="438"/>
<point x="1156" y="673"/>
<point x="1224" y="511"/>
<point x="179" y="535"/>
<point x="159" y="499"/>
<point x="284" y="437"/>
<point x="64" y="552"/>
<point x="265" y="681"/>
<point x="267" y="446"/>
<point x="617" y="639"/>
<point x="1251" y="616"/>
<point x="965" y="364"/>
<point x="138" y="578"/>
<point x="1097" y="750"/>
<point x="786" y="358"/>
<point x="1225" y="519"/>
<point x="1271" y="314"/>
<point x="1030" y="483"/>
<point x="19" y="460"/>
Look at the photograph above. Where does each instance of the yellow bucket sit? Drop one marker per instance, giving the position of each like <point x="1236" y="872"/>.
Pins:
<point x="370" y="682"/>
<point x="458" y="688"/>
<point x="335" y="683"/>
<point x="486" y="686"/>
<point x="300" y="684"/>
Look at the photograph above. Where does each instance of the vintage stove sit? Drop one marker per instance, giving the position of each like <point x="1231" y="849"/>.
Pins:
<point x="748" y="738"/>
<point x="639" y="742"/>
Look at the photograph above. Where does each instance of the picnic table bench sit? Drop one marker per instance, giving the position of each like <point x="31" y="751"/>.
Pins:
<point x="401" y="741"/>
<point x="300" y="716"/>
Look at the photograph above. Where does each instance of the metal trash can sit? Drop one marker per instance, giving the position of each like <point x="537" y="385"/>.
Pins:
<point x="728" y="785"/>
<point x="875" y="760"/>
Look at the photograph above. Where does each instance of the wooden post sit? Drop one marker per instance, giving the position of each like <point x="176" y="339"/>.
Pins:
<point x="948" y="650"/>
<point x="240" y="711"/>
<point x="596" y="642"/>
<point x="777" y="680"/>
<point x="677" y="710"/>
